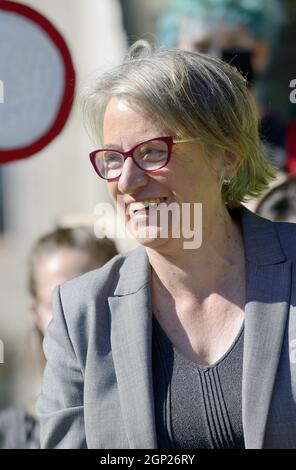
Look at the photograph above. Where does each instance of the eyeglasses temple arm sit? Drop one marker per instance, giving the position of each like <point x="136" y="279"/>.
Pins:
<point x="182" y="141"/>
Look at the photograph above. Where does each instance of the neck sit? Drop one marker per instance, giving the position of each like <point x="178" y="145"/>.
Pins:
<point x="210" y="268"/>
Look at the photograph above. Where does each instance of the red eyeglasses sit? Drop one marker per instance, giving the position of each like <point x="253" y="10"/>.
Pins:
<point x="150" y="155"/>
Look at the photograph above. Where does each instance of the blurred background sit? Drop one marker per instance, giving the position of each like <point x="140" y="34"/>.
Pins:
<point x="47" y="52"/>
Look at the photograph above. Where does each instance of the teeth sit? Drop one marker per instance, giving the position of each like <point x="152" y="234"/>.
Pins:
<point x="136" y="206"/>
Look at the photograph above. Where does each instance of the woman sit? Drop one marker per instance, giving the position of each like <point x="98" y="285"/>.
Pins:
<point x="169" y="345"/>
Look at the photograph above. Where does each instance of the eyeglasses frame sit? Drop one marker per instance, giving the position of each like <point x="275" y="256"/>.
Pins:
<point x="169" y="140"/>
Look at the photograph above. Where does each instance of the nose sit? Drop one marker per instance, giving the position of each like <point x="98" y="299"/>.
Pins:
<point x="132" y="177"/>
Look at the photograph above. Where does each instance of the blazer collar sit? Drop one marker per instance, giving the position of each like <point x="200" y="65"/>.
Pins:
<point x="134" y="273"/>
<point x="261" y="242"/>
<point x="131" y="343"/>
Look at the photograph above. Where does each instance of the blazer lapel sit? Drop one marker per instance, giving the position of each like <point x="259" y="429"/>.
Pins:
<point x="131" y="330"/>
<point x="268" y="284"/>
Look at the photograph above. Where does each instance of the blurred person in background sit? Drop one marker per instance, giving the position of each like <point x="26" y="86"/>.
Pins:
<point x="56" y="258"/>
<point x="170" y="345"/>
<point x="239" y="33"/>
<point x="59" y="256"/>
<point x="279" y="204"/>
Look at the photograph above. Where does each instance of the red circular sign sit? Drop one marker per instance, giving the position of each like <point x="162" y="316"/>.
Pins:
<point x="60" y="112"/>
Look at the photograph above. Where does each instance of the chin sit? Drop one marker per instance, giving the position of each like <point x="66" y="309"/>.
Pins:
<point x="148" y="236"/>
<point x="158" y="244"/>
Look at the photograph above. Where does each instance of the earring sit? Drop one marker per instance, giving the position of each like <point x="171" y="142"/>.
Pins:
<point x="227" y="180"/>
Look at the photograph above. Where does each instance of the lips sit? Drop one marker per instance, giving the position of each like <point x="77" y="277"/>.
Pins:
<point x="142" y="205"/>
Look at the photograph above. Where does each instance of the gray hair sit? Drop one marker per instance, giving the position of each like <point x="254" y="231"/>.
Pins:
<point x="193" y="95"/>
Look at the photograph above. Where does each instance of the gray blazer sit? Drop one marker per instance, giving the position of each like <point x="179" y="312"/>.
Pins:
<point x="98" y="390"/>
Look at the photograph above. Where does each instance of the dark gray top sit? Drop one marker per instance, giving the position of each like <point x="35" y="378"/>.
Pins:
<point x="197" y="407"/>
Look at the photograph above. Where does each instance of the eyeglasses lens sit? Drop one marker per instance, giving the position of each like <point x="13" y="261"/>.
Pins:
<point x="148" y="156"/>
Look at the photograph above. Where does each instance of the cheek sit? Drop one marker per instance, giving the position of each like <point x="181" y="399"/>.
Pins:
<point x="178" y="175"/>
<point x="165" y="176"/>
<point x="203" y="171"/>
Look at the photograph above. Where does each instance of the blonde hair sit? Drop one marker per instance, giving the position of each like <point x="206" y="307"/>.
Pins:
<point x="193" y="95"/>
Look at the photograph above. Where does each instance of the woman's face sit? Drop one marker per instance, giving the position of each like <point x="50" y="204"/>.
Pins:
<point x="52" y="270"/>
<point x="187" y="178"/>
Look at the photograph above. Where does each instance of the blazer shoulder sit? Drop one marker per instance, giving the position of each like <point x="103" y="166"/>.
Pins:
<point x="123" y="274"/>
<point x="287" y="236"/>
<point x="83" y="299"/>
<point x="93" y="283"/>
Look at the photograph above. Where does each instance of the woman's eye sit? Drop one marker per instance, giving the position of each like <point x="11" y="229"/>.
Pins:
<point x="152" y="154"/>
<point x="112" y="161"/>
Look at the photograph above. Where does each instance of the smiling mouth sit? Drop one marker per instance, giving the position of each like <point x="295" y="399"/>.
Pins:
<point x="134" y="207"/>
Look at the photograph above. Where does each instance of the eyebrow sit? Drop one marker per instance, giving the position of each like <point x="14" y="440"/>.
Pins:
<point x="111" y="146"/>
<point x="117" y="147"/>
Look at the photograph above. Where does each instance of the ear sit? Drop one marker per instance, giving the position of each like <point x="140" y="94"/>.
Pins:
<point x="231" y="164"/>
